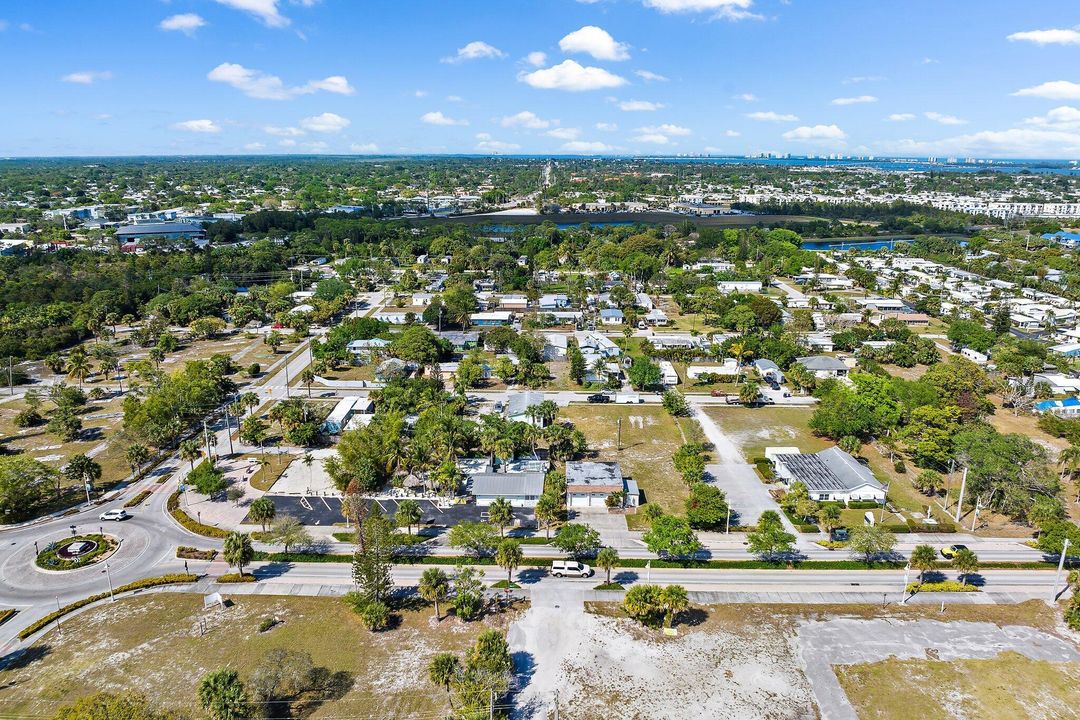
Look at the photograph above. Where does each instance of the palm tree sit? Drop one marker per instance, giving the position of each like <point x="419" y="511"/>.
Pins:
<point x="78" y="367"/>
<point x="222" y="695"/>
<point x="1069" y="458"/>
<point x="923" y="559"/>
<point x="137" y="455"/>
<point x="408" y="512"/>
<point x="237" y="550"/>
<point x="287" y="531"/>
<point x="501" y="513"/>
<point x="606" y="559"/>
<point x="674" y="600"/>
<point x="262" y="511"/>
<point x="966" y="563"/>
<point x="547" y="512"/>
<point x="434" y="587"/>
<point x="444" y="670"/>
<point x="307" y="377"/>
<point x="83" y="470"/>
<point x="508" y="556"/>
<point x="250" y="400"/>
<point x="191" y="451"/>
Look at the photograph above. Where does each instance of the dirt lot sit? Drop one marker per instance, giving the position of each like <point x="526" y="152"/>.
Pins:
<point x="650" y="436"/>
<point x="163" y="644"/>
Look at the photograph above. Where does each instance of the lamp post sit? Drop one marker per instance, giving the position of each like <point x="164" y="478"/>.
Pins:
<point x="903" y="594"/>
<point x="108" y="575"/>
<point x="1061" y="566"/>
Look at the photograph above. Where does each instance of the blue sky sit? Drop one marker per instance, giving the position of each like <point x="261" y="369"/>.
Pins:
<point x="990" y="78"/>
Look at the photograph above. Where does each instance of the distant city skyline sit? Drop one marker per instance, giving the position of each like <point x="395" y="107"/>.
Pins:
<point x="993" y="79"/>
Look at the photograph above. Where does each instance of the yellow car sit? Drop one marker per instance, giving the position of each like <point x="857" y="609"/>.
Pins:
<point x="950" y="552"/>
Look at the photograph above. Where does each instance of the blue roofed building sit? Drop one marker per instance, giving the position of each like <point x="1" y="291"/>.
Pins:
<point x="1067" y="408"/>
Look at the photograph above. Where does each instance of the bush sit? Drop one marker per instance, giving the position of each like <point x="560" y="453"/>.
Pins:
<point x="375" y="616"/>
<point x="138" y="499"/>
<point x="609" y="586"/>
<point x="925" y="528"/>
<point x="229" y="578"/>
<point x="137" y="585"/>
<point x="185" y="552"/>
<point x="253" y="370"/>
<point x="189" y="523"/>
<point x="863" y="505"/>
<point x="899" y="466"/>
<point x="50" y="560"/>
<point x="943" y="586"/>
<point x="28" y="418"/>
<point x="1072" y="613"/>
<point x="267" y="623"/>
<point x="765" y="468"/>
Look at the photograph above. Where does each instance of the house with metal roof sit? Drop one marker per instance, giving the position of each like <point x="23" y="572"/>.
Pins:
<point x="768" y="370"/>
<point x="522" y="489"/>
<point x="160" y="231"/>
<point x="831" y="474"/>
<point x="1067" y="408"/>
<point x="588" y="484"/>
<point x="518" y="404"/>
<point x="611" y="316"/>
<point x="824" y="366"/>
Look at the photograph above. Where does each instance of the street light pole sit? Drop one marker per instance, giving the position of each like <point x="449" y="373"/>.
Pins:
<point x="108" y="575"/>
<point x="960" y="500"/>
<point x="1061" y="565"/>
<point x="728" y="530"/>
<point x="903" y="594"/>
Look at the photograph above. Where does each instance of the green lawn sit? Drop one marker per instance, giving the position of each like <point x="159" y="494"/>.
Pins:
<point x="650" y="436"/>
<point x="162" y="645"/>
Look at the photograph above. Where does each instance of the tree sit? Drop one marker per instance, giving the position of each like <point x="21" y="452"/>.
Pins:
<point x="24" y="484"/>
<point x="606" y="559"/>
<point x="643" y="373"/>
<point x="443" y="670"/>
<point x="262" y="511"/>
<point x="770" y="540"/>
<point x="237" y="550"/>
<point x="866" y="542"/>
<point x="65" y="424"/>
<point x="307" y="376"/>
<point x="289" y="532"/>
<point x="828" y="517"/>
<point x="508" y="556"/>
<point x="191" y="451"/>
<point x="1045" y="510"/>
<point x="468" y="591"/>
<point x="669" y="535"/>
<point x="1054" y="534"/>
<point x="673" y="599"/>
<point x="749" y="393"/>
<point x="501" y="514"/>
<point x="274" y="339"/>
<point x="928" y="482"/>
<point x="965" y="562"/>
<point x="253" y="431"/>
<point x="479" y="538"/>
<point x="83" y="470"/>
<point x="924" y="559"/>
<point x="434" y="587"/>
<point x="675" y="403"/>
<point x="548" y="509"/>
<point x="137" y="455"/>
<point x="707" y="507"/>
<point x="409" y="513"/>
<point x="78" y="366"/>
<point x="126" y="705"/>
<point x="373" y="557"/>
<point x="222" y="695"/>
<point x="577" y="540"/>
<point x="644" y="603"/>
<point x="206" y="479"/>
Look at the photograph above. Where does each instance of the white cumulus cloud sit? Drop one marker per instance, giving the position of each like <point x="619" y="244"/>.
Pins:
<point x="265" y="11"/>
<point x="607" y="127"/>
<point x="595" y="41"/>
<point x="721" y="9"/>
<point x="327" y="122"/>
<point x="567" y="133"/>
<point x="732" y="133"/>
<point x="815" y="132"/>
<point x="476" y="50"/>
<point x="745" y="97"/>
<point x="650" y="76"/>
<point x="901" y="117"/>
<point x="87" y="77"/>
<point x="437" y="118"/>
<point x="197" y="126"/>
<point x="857" y="100"/>
<point x="487" y="144"/>
<point x="263" y="86"/>
<point x="586" y="148"/>
<point x="771" y="116"/>
<point x="944" y="119"/>
<point x="364" y="148"/>
<point x="665" y="129"/>
<point x="1062" y="118"/>
<point x="1053" y="36"/>
<point x="525" y="119"/>
<point x="571" y="76"/>
<point x="651" y="138"/>
<point x="1053" y="90"/>
<point x="186" y="23"/>
<point x="639" y="105"/>
<point x="254" y="146"/>
<point x="536" y="58"/>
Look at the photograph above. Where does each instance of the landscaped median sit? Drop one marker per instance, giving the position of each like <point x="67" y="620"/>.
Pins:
<point x="943" y="586"/>
<point x="138" y="499"/>
<point x="189" y="523"/>
<point x="175" y="579"/>
<point x="6" y="614"/>
<point x="76" y="552"/>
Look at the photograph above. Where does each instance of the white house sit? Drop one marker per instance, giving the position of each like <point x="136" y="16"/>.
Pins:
<point x="824" y="366"/>
<point x="831" y="474"/>
<point x="738" y="286"/>
<point x="521" y="489"/>
<point x="588" y="484"/>
<point x="668" y="376"/>
<point x="974" y="356"/>
<point x="611" y="316"/>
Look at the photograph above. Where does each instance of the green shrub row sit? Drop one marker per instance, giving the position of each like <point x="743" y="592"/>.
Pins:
<point x="185" y="552"/>
<point x="173" y="579"/>
<point x="765" y="468"/>
<point x="943" y="586"/>
<point x="189" y="523"/>
<point x="138" y="499"/>
<point x="6" y="615"/>
<point x="863" y="505"/>
<point x="235" y="578"/>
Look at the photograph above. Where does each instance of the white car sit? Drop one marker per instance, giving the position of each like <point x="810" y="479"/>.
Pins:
<point x="117" y="515"/>
<point x="570" y="568"/>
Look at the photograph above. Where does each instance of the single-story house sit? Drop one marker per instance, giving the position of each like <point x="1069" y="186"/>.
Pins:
<point x="730" y="368"/>
<point x="1059" y="384"/>
<point x="822" y="342"/>
<point x="975" y="356"/>
<point x="768" y="370"/>
<point x="461" y="341"/>
<point x="824" y="366"/>
<point x="668" y="376"/>
<point x="1066" y="349"/>
<point x="448" y="371"/>
<point x="368" y="347"/>
<point x="491" y="319"/>
<point x="521" y="489"/>
<point x="657" y="317"/>
<point x="588" y="484"/>
<point x="739" y="286"/>
<point x="339" y="417"/>
<point x="911" y="319"/>
<point x="611" y="316"/>
<point x="553" y="302"/>
<point x="831" y="474"/>
<point x="1067" y="408"/>
<point x="518" y="404"/>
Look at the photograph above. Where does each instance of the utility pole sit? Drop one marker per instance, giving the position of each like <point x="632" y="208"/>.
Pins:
<point x="884" y="501"/>
<point x="960" y="500"/>
<point x="491" y="707"/>
<point x="618" y="441"/>
<point x="556" y="705"/>
<point x="206" y="439"/>
<point x="1061" y="565"/>
<point x="903" y="593"/>
<point x="287" y="376"/>
<point x="728" y="530"/>
<point x="228" y="427"/>
<point x="10" y="384"/>
<point x="112" y="597"/>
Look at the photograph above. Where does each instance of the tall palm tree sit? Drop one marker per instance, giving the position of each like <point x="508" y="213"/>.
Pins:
<point x="1069" y="458"/>
<point x="78" y="367"/>
<point x="191" y="451"/>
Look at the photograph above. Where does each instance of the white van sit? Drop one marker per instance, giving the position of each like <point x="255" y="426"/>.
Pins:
<point x="570" y="568"/>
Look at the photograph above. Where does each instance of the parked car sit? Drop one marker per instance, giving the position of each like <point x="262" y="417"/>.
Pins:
<point x="599" y="398"/>
<point x="570" y="568"/>
<point x="118" y="515"/>
<point x="950" y="552"/>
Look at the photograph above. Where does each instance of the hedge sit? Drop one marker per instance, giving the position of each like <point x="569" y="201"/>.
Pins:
<point x="863" y="505"/>
<point x="185" y="552"/>
<point x="765" y="468"/>
<point x="138" y="499"/>
<point x="188" y="523"/>
<point x="174" y="579"/>
<point x="235" y="578"/>
<point x="943" y="586"/>
<point x="6" y="615"/>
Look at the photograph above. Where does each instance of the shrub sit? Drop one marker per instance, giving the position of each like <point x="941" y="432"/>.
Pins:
<point x="50" y="560"/>
<point x="609" y="586"/>
<point x="137" y="585"/>
<point x="1072" y="613"/>
<point x="943" y="586"/>
<point x="253" y="370"/>
<point x="6" y="615"/>
<point x="185" y="552"/>
<point x="138" y="499"/>
<point x="899" y="466"/>
<point x="765" y="469"/>
<point x="267" y="623"/>
<point x="863" y="505"/>
<point x="375" y="616"/>
<point x="28" y="418"/>
<point x="925" y="528"/>
<point x="229" y="578"/>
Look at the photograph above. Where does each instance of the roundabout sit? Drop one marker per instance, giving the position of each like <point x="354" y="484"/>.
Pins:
<point x="76" y="552"/>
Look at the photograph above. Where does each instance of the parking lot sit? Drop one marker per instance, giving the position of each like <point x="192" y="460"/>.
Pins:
<point x="322" y="511"/>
